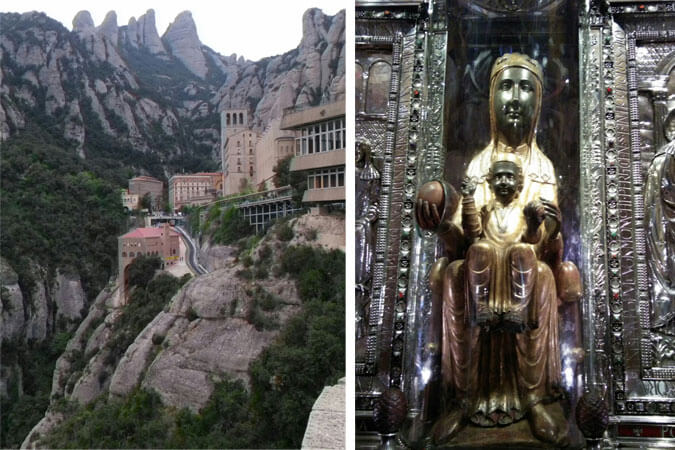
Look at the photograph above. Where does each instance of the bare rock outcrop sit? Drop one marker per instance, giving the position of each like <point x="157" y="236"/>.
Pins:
<point x="83" y="24"/>
<point x="108" y="28"/>
<point x="182" y="40"/>
<point x="215" y="257"/>
<point x="69" y="298"/>
<point x="147" y="33"/>
<point x="206" y="333"/>
<point x="33" y="317"/>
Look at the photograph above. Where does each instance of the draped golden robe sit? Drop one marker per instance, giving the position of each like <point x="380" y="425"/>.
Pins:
<point x="495" y="374"/>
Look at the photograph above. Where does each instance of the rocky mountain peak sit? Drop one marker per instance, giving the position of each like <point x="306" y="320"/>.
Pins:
<point x="147" y="33"/>
<point x="182" y="40"/>
<point x="313" y="27"/>
<point x="108" y="27"/>
<point x="83" y="23"/>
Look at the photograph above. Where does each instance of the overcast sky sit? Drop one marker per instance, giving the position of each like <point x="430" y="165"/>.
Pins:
<point x="250" y="28"/>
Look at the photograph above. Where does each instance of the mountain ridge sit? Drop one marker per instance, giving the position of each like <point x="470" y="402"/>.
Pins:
<point x="160" y="96"/>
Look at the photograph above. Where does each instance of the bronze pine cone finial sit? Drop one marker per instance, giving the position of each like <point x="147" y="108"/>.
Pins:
<point x="592" y="415"/>
<point x="390" y="411"/>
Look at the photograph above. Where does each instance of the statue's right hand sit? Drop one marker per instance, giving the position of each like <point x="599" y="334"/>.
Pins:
<point x="468" y="187"/>
<point x="429" y="206"/>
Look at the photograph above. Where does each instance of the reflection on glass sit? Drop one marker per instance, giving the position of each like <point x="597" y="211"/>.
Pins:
<point x="358" y="88"/>
<point x="378" y="86"/>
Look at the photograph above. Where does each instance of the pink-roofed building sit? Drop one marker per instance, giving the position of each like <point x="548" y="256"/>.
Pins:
<point x="160" y="241"/>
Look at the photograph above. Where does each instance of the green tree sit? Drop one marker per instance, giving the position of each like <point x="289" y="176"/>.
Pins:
<point x="146" y="202"/>
<point x="283" y="176"/>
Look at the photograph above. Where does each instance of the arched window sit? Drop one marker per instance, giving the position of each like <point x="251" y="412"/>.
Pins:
<point x="124" y="254"/>
<point x="234" y="118"/>
<point x="227" y="118"/>
<point x="379" y="78"/>
<point x="241" y="118"/>
<point x="131" y="254"/>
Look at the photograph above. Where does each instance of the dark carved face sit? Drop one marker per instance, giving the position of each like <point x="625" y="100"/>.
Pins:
<point x="504" y="180"/>
<point x="514" y="103"/>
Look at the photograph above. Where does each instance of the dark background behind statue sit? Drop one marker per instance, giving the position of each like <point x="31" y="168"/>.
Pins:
<point x="552" y="40"/>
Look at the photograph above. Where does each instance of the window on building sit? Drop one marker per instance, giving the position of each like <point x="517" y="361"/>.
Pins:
<point x="326" y="178"/>
<point x="241" y="118"/>
<point x="124" y="254"/>
<point x="324" y="137"/>
<point x="227" y="118"/>
<point x="131" y="254"/>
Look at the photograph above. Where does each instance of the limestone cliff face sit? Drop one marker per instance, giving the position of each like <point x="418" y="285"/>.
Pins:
<point x="34" y="315"/>
<point x="150" y="94"/>
<point x="52" y="305"/>
<point x="312" y="73"/>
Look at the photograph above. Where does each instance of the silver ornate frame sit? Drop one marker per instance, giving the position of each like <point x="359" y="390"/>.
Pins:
<point x="619" y="346"/>
<point x="394" y="29"/>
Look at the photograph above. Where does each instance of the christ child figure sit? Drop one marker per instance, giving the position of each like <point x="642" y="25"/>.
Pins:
<point x="501" y="262"/>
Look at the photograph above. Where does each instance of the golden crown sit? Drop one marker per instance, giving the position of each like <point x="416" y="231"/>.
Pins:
<point x="517" y="60"/>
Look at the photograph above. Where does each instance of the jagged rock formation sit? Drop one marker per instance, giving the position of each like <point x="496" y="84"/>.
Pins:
<point x="181" y="38"/>
<point x="152" y="95"/>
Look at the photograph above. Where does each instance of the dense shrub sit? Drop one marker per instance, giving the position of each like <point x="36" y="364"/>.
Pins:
<point x="145" y="302"/>
<point x="142" y="269"/>
<point x="231" y="227"/>
<point x="58" y="211"/>
<point x="139" y="421"/>
<point x="285" y="232"/>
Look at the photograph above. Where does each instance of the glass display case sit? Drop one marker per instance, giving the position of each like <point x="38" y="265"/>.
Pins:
<point x="464" y="285"/>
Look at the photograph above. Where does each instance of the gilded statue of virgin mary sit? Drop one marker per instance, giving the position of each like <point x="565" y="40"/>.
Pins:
<point x="494" y="374"/>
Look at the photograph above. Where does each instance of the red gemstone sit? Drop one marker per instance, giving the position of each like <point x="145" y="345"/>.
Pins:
<point x="609" y="90"/>
<point x="616" y="296"/>
<point x="386" y="13"/>
<point x="416" y="92"/>
<point x="641" y="7"/>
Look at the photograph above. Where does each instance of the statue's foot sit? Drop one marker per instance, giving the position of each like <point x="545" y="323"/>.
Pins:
<point x="447" y="426"/>
<point x="546" y="428"/>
